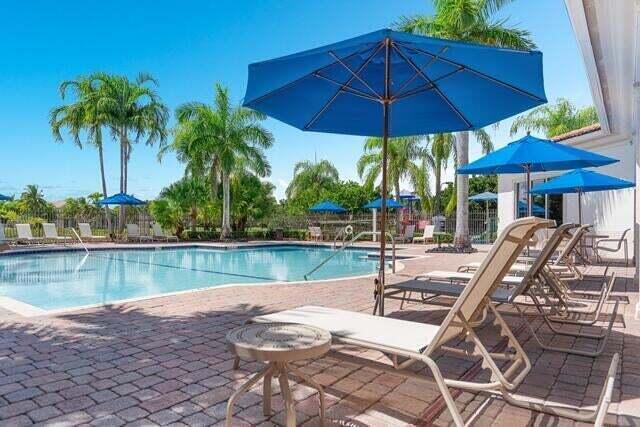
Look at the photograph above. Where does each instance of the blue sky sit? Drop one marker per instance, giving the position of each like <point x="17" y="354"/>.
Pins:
<point x="188" y="46"/>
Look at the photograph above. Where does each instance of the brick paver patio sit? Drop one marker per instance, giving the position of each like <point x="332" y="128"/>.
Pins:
<point x="164" y="361"/>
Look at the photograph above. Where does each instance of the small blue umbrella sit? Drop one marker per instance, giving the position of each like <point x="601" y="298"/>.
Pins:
<point x="327" y="206"/>
<point x="121" y="199"/>
<point x="377" y="204"/>
<point x="531" y="154"/>
<point x="484" y="197"/>
<point x="391" y="84"/>
<point x="4" y="198"/>
<point x="581" y="181"/>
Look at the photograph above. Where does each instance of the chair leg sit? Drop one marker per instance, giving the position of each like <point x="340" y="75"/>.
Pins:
<point x="315" y="385"/>
<point x="290" y="409"/>
<point x="246" y="386"/>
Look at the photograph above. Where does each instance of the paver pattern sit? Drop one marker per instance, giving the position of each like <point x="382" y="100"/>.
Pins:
<point x="164" y="361"/>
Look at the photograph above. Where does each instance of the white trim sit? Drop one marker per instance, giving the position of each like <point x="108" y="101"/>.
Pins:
<point x="575" y="10"/>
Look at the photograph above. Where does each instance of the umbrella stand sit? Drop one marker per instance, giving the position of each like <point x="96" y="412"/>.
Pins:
<point x="527" y="169"/>
<point x="580" y="207"/>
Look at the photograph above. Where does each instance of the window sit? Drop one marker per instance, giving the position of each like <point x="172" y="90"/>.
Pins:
<point x="543" y="206"/>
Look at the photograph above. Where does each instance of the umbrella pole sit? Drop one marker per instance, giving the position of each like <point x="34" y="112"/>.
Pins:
<point x="529" y="209"/>
<point x="383" y="202"/>
<point x="580" y="207"/>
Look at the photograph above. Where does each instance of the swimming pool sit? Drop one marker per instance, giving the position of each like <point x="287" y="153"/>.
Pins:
<point x="59" y="280"/>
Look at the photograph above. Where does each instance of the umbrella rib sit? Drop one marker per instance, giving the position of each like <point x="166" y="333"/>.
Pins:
<point x="355" y="74"/>
<point x="476" y="72"/>
<point x="335" y="95"/>
<point x="347" y="88"/>
<point x="426" y="87"/>
<point x="435" y="86"/>
<point x="415" y="74"/>
<point x="293" y="82"/>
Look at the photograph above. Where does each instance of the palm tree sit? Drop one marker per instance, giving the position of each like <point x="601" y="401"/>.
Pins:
<point x="219" y="140"/>
<point x="402" y="154"/>
<point x="134" y="112"/>
<point x="32" y="199"/>
<point x="442" y="148"/>
<point x="189" y="194"/>
<point x="555" y="119"/>
<point x="82" y="116"/>
<point x="307" y="174"/>
<point x="468" y="20"/>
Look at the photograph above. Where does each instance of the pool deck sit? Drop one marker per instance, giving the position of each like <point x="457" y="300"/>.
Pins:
<point x="164" y="361"/>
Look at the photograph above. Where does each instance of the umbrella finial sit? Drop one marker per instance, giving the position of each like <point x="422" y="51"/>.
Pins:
<point x="528" y="132"/>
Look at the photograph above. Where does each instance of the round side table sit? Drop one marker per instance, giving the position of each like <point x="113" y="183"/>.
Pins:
<point x="277" y="344"/>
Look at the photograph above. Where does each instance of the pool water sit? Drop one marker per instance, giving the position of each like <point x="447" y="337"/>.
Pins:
<point x="60" y="280"/>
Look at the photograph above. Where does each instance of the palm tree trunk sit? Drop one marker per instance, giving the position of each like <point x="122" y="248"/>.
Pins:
<point x="396" y="188"/>
<point x="121" y="211"/>
<point x="461" y="240"/>
<point x="438" y="178"/>
<point x="104" y="186"/>
<point x="226" y="205"/>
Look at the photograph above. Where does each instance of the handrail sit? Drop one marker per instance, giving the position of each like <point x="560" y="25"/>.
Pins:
<point x="349" y="243"/>
<point x="80" y="240"/>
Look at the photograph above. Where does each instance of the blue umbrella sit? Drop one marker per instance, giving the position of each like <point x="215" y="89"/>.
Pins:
<point x="408" y="195"/>
<point x="531" y="154"/>
<point x="328" y="207"/>
<point x="535" y="208"/>
<point x="377" y="204"/>
<point x="4" y="198"/>
<point x="484" y="197"/>
<point x="411" y="84"/>
<point x="121" y="199"/>
<point x="581" y="181"/>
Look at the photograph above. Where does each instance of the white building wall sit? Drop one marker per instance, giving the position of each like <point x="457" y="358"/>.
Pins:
<point x="610" y="212"/>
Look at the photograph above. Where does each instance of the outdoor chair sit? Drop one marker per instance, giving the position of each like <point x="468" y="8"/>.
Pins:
<point x="407" y="236"/>
<point x="612" y="246"/>
<point x="51" y="234"/>
<point x="427" y="235"/>
<point x="406" y="342"/>
<point x="25" y="236"/>
<point x="159" y="234"/>
<point x="315" y="233"/>
<point x="87" y="234"/>
<point x="3" y="238"/>
<point x="133" y="232"/>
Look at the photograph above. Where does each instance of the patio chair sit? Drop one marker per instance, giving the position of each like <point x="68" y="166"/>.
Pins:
<point x="407" y="236"/>
<point x="159" y="234"/>
<point x="4" y="239"/>
<point x="87" y="234"/>
<point x="315" y="233"/>
<point x="25" y="236"/>
<point x="619" y="243"/>
<point x="407" y="342"/>
<point x="133" y="232"/>
<point x="51" y="234"/>
<point x="427" y="235"/>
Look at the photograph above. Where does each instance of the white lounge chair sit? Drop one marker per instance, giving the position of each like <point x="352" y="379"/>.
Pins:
<point x="315" y="233"/>
<point x="133" y="233"/>
<point x="407" y="236"/>
<point x="159" y="234"/>
<point x="25" y="236"/>
<point x="4" y="240"/>
<point x="87" y="235"/>
<point x="407" y="342"/>
<point x="51" y="234"/>
<point x="427" y="235"/>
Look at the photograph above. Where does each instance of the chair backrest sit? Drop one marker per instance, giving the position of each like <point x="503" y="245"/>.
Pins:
<point x="573" y="242"/>
<point x="487" y="278"/>
<point x="408" y="231"/>
<point x="85" y="229"/>
<point x="2" y="236"/>
<point x="315" y="231"/>
<point x="157" y="230"/>
<point x="24" y="231"/>
<point x="133" y="230"/>
<point x="622" y="238"/>
<point x="428" y="231"/>
<point x="50" y="230"/>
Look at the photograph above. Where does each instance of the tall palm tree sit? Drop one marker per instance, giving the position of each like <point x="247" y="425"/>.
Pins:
<point x="32" y="199"/>
<point x="474" y="21"/>
<point x="307" y="174"/>
<point x="442" y="148"/>
<point x="82" y="116"/>
<point x="402" y="153"/>
<point x="134" y="112"/>
<point x="555" y="119"/>
<point x="219" y="140"/>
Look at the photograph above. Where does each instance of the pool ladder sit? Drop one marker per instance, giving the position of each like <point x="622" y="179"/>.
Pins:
<point x="350" y="243"/>
<point x="80" y="240"/>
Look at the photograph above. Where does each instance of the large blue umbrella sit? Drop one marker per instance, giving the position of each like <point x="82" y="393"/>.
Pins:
<point x="581" y="181"/>
<point x="377" y="204"/>
<point x="327" y="206"/>
<point x="531" y="154"/>
<point x="390" y="84"/>
<point x="121" y="199"/>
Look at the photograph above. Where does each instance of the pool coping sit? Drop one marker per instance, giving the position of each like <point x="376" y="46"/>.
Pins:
<point x="27" y="310"/>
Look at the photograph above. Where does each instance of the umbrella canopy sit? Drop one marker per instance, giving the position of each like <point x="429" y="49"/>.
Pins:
<point x="327" y="206"/>
<point x="415" y="85"/>
<point x="581" y="181"/>
<point x="531" y="154"/>
<point x="377" y="204"/>
<point x="484" y="197"/>
<point x="408" y="195"/>
<point x="536" y="210"/>
<point x="121" y="199"/>
<point x="4" y="198"/>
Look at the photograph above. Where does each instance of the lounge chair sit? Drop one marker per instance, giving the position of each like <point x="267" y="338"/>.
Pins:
<point x="86" y="233"/>
<point x="3" y="237"/>
<point x="407" y="236"/>
<point x="159" y="234"/>
<point x="133" y="232"/>
<point x="315" y="233"/>
<point x="427" y="235"/>
<point x="407" y="342"/>
<point x="619" y="243"/>
<point x="51" y="234"/>
<point x="25" y="236"/>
